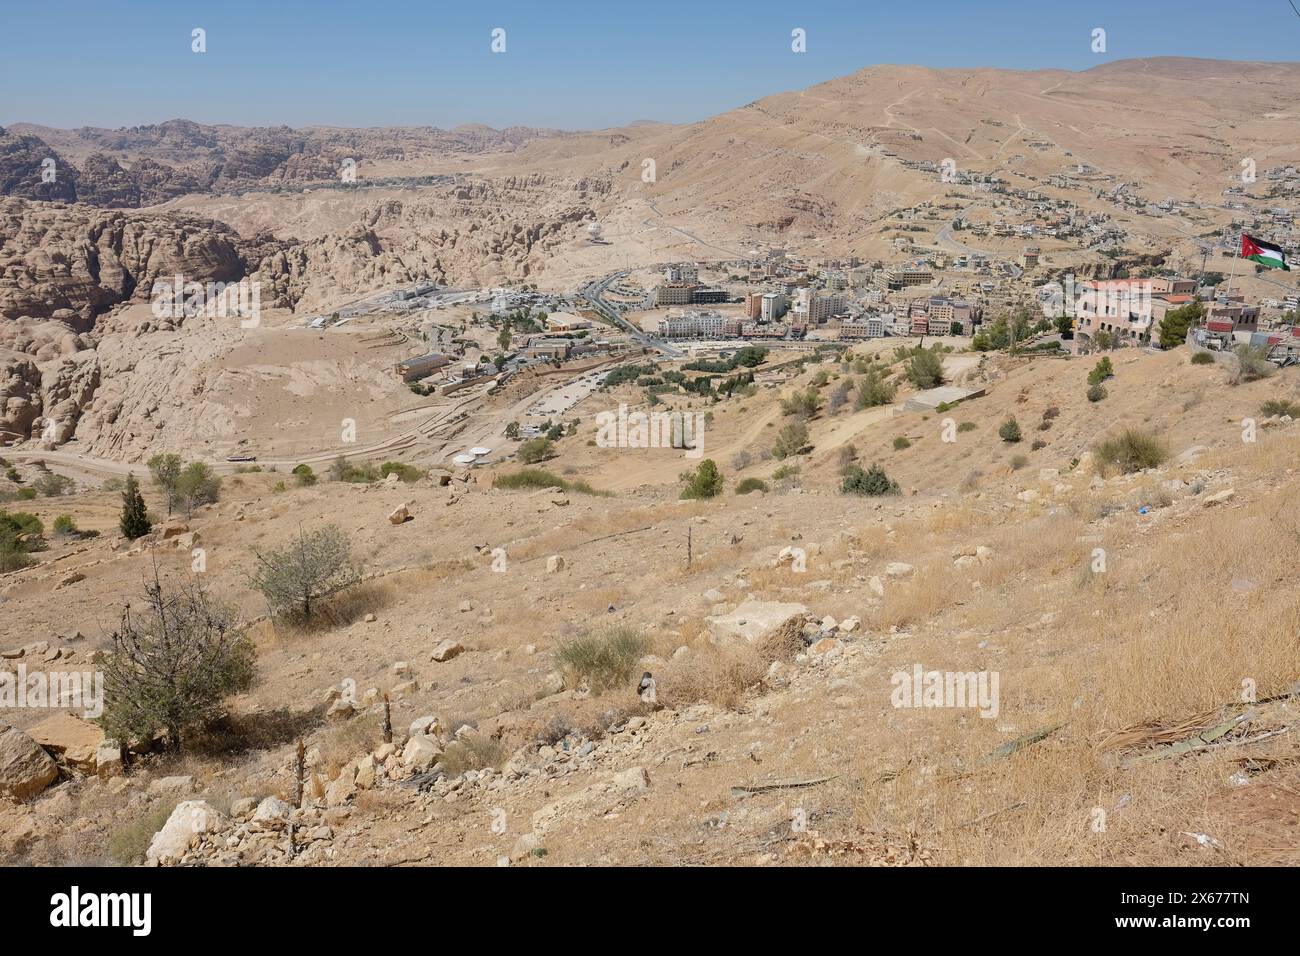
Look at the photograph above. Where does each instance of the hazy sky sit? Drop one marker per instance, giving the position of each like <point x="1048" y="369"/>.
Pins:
<point x="567" y="64"/>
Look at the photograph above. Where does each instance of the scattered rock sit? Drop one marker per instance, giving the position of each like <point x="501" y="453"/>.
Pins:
<point x="186" y="826"/>
<point x="446" y="651"/>
<point x="25" y="768"/>
<point x="555" y="563"/>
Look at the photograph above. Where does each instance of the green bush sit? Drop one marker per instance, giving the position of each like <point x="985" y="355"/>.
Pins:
<point x="1010" y="430"/>
<point x="704" y="482"/>
<point x="65" y="527"/>
<point x="197" y="485"/>
<point x="1280" y="407"/>
<point x="751" y="484"/>
<point x="604" y="660"/>
<point x="967" y="427"/>
<point x="27" y="494"/>
<point x="791" y="440"/>
<point x="901" y="442"/>
<point x="1101" y="371"/>
<point x="51" y="485"/>
<point x="1252" y="364"/>
<point x="1132" y="450"/>
<point x="802" y="404"/>
<point x="409" y="474"/>
<point x="20" y="535"/>
<point x="925" y="368"/>
<point x="298" y="581"/>
<point x="872" y="482"/>
<point x="1202" y="358"/>
<point x="304" y="475"/>
<point x="535" y="478"/>
<point x="1096" y="393"/>
<point x="874" y="390"/>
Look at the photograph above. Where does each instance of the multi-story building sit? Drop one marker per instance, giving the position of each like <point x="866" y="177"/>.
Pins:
<point x="895" y="278"/>
<point x="673" y="293"/>
<point x="775" y="305"/>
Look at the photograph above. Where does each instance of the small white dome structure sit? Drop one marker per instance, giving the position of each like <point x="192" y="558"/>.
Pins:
<point x="594" y="231"/>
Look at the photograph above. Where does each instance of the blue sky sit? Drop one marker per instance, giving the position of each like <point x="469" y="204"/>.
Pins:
<point x="571" y="65"/>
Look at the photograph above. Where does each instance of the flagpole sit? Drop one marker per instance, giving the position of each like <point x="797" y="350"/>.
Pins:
<point x="1233" y="273"/>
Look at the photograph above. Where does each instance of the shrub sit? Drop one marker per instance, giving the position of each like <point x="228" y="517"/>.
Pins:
<point x="172" y="666"/>
<point x="53" y="486"/>
<point x="967" y="427"/>
<point x="1252" y="364"/>
<point x="535" y="450"/>
<point x="1019" y="461"/>
<point x="27" y="494"/>
<point x="1038" y="443"/>
<point x="791" y="440"/>
<point x="1132" y="450"/>
<point x="409" y="474"/>
<point x="1280" y="407"/>
<point x="751" y="484"/>
<point x="537" y="478"/>
<point x="297" y="581"/>
<point x="128" y="843"/>
<point x="305" y="476"/>
<point x="20" y="534"/>
<point x="1101" y="371"/>
<point x="1202" y="358"/>
<point x="901" y="442"/>
<point x="925" y="368"/>
<point x="1050" y="412"/>
<point x="874" y="390"/>
<point x="65" y="527"/>
<point x="1009" y="431"/>
<point x="704" y="482"/>
<point x="604" y="660"/>
<point x="802" y="404"/>
<point x="1096" y="393"/>
<point x="134" y="521"/>
<point x="871" y="482"/>
<point x="784" y="472"/>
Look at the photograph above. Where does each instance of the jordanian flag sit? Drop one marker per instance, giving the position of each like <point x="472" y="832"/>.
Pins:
<point x="1257" y="250"/>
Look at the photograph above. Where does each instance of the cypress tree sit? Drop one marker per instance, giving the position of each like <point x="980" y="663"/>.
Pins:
<point x="135" y="519"/>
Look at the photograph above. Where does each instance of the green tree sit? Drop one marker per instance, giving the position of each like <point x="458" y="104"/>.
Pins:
<point x="704" y="482"/>
<point x="172" y="666"/>
<point x="135" y="517"/>
<point x="166" y="470"/>
<point x="197" y="485"/>
<point x="535" y="450"/>
<point x="1010" y="430"/>
<point x="1173" y="327"/>
<point x="925" y="369"/>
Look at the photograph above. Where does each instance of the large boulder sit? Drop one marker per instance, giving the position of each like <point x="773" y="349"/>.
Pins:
<point x="25" y="769"/>
<point x="183" y="829"/>
<point x="752" y="620"/>
<point x="75" y="740"/>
